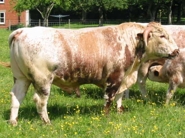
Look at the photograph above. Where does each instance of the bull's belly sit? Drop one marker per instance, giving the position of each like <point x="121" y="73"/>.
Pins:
<point x="72" y="85"/>
<point x="182" y="85"/>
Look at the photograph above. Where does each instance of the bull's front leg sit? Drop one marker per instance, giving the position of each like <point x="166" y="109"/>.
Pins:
<point x="118" y="99"/>
<point x="142" y="87"/>
<point x="171" y="90"/>
<point x="109" y="96"/>
<point x="141" y="79"/>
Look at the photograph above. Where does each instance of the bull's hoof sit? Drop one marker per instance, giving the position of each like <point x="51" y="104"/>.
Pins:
<point x="45" y="120"/>
<point x="106" y="110"/>
<point x="78" y="96"/>
<point x="13" y="122"/>
<point x="120" y="109"/>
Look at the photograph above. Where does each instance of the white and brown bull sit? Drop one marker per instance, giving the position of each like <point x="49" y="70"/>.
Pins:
<point x="108" y="57"/>
<point x="151" y="69"/>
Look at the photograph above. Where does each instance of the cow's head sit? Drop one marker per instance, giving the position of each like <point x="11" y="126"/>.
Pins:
<point x="155" y="73"/>
<point x="157" y="42"/>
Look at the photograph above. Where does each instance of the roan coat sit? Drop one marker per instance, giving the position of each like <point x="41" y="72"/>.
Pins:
<point x="108" y="57"/>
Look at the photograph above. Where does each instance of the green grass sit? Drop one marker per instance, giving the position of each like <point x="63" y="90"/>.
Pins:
<point x="83" y="117"/>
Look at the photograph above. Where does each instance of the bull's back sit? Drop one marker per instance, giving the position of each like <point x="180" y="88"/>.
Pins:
<point x="46" y="50"/>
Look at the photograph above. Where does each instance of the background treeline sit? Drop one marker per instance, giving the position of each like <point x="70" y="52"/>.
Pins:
<point x="165" y="11"/>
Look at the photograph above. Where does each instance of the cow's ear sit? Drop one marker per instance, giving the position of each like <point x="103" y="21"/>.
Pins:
<point x="140" y="49"/>
<point x="140" y="36"/>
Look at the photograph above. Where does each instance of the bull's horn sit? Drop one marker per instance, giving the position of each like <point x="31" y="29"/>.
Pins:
<point x="146" y="34"/>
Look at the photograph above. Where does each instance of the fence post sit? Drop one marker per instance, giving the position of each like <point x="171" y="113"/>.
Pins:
<point x="39" y="22"/>
<point x="69" y="23"/>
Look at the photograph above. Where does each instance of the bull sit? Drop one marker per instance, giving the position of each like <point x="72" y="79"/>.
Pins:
<point x="105" y="56"/>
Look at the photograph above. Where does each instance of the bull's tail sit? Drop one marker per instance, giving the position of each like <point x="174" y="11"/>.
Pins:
<point x="5" y="64"/>
<point x="13" y="35"/>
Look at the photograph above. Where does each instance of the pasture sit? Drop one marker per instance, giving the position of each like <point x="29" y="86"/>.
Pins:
<point x="83" y="117"/>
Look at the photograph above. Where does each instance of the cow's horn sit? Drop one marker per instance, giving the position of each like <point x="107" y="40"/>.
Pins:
<point x="146" y="34"/>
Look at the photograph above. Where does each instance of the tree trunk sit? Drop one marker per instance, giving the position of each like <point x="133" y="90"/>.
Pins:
<point x="179" y="8"/>
<point x="100" y="16"/>
<point x="170" y="13"/>
<point x="152" y="10"/>
<point x="45" y="22"/>
<point x="45" y="12"/>
<point x="84" y="15"/>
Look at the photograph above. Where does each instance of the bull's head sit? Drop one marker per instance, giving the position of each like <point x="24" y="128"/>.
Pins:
<point x="158" y="43"/>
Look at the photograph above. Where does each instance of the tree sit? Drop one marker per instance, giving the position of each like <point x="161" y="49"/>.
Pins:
<point x="104" y="5"/>
<point x="83" y="6"/>
<point x="44" y="7"/>
<point x="178" y="6"/>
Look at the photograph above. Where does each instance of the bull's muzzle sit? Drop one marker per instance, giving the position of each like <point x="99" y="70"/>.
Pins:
<point x="174" y="53"/>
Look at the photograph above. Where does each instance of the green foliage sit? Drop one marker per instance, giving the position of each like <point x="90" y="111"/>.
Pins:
<point x="110" y="4"/>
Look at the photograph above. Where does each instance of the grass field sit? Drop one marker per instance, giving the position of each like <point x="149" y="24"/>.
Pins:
<point x="83" y="117"/>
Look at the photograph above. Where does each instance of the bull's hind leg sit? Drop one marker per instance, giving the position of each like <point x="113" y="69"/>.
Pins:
<point x="17" y="95"/>
<point x="41" y="105"/>
<point x="41" y="97"/>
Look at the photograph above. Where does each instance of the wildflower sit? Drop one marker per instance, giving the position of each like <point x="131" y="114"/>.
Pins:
<point x="173" y="104"/>
<point x="155" y="128"/>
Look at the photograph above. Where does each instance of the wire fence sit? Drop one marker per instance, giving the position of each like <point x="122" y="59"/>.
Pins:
<point x="72" y="23"/>
<point x="66" y="23"/>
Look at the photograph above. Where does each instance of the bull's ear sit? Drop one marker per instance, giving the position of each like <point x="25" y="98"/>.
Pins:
<point x="140" y="36"/>
<point x="140" y="49"/>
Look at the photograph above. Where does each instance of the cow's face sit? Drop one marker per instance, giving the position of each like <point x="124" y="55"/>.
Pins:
<point x="155" y="74"/>
<point x="158" y="43"/>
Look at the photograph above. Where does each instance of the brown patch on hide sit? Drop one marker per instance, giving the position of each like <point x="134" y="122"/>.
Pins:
<point x="180" y="39"/>
<point x="66" y="56"/>
<point x="114" y="76"/>
<point x="88" y="57"/>
<point x="14" y="36"/>
<point x="129" y="59"/>
<point x="17" y="34"/>
<point x="175" y="79"/>
<point x="111" y="39"/>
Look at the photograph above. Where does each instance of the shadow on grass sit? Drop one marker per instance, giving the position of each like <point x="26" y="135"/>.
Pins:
<point x="57" y="111"/>
<point x="158" y="96"/>
<point x="89" y="91"/>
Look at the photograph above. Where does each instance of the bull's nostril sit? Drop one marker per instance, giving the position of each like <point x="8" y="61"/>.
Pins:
<point x="175" y="53"/>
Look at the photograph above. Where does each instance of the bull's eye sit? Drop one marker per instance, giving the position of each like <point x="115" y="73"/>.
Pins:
<point x="162" y="36"/>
